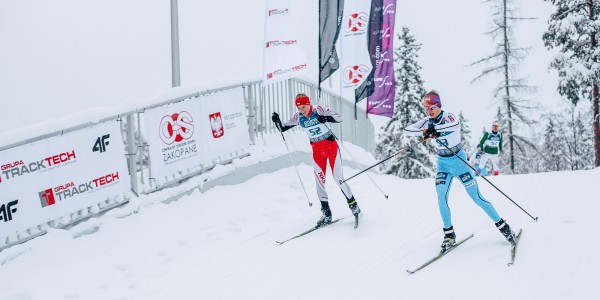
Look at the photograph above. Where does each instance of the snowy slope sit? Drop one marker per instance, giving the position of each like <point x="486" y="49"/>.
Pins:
<point x="221" y="245"/>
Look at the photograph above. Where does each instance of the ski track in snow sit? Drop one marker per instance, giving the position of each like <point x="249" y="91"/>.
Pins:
<point x="221" y="245"/>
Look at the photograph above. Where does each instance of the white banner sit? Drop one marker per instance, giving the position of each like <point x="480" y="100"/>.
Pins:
<point x="187" y="134"/>
<point x="54" y="177"/>
<point x="284" y="56"/>
<point x="175" y="137"/>
<point x="355" y="63"/>
<point x="225" y="113"/>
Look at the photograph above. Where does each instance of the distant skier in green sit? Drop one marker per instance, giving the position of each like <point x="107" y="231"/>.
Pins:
<point x="491" y="143"/>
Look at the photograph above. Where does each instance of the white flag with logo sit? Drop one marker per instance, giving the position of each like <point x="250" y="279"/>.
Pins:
<point x="284" y="56"/>
<point x="355" y="63"/>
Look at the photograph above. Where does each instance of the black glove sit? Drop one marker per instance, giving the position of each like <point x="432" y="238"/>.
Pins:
<point x="275" y="118"/>
<point x="431" y="133"/>
<point x="325" y="119"/>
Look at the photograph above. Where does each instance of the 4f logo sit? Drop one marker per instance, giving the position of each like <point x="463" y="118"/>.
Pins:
<point x="101" y="143"/>
<point x="46" y="197"/>
<point x="7" y="210"/>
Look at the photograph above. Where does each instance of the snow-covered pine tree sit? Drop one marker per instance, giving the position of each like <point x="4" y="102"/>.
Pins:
<point x="417" y="163"/>
<point x="505" y="61"/>
<point x="553" y="150"/>
<point x="574" y="29"/>
<point x="583" y="143"/>
<point x="465" y="135"/>
<point x="577" y="140"/>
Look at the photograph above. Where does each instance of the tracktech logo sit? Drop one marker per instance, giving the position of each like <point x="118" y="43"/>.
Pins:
<point x="278" y="11"/>
<point x="49" y="196"/>
<point x="20" y="168"/>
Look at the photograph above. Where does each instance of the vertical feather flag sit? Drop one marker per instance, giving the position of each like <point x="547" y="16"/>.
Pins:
<point x="379" y="86"/>
<point x="381" y="100"/>
<point x="284" y="56"/>
<point x="330" y="17"/>
<point x="354" y="51"/>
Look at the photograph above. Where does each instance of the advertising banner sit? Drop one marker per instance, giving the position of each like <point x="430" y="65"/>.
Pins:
<point x="197" y="131"/>
<point x="354" y="49"/>
<point x="284" y="56"/>
<point x="381" y="101"/>
<point x="175" y="137"/>
<point x="225" y="113"/>
<point x="52" y="178"/>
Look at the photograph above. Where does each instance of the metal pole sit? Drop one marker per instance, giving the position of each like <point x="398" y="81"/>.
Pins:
<point x="175" y="71"/>
<point x="293" y="163"/>
<point x="131" y="154"/>
<point x="401" y="151"/>
<point x="251" y="112"/>
<point x="140" y="148"/>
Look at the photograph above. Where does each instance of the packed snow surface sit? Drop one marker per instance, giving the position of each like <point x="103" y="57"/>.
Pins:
<point x="220" y="244"/>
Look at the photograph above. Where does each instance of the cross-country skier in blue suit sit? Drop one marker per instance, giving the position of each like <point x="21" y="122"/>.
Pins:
<point x="444" y="128"/>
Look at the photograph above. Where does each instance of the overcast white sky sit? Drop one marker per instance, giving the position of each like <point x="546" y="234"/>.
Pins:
<point x="67" y="56"/>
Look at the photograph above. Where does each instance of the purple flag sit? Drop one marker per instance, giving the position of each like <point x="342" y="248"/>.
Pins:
<point x="381" y="101"/>
<point x="379" y="88"/>
<point x="374" y="42"/>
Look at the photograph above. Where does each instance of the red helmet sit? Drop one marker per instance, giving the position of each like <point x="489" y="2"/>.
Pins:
<point x="431" y="99"/>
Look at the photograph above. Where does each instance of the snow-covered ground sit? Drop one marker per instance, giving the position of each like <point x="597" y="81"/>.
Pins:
<point x="220" y="244"/>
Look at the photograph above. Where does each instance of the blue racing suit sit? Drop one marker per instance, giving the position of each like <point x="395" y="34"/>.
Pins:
<point x="450" y="166"/>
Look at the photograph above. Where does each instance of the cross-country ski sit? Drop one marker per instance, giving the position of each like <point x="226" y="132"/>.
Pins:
<point x="308" y="231"/>
<point x="513" y="248"/>
<point x="440" y="255"/>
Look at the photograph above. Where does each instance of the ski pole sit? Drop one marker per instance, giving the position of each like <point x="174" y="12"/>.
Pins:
<point x="374" y="183"/>
<point x="387" y="158"/>
<point x="455" y="154"/>
<point x="294" y="164"/>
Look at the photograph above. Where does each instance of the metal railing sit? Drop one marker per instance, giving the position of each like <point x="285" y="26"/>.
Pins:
<point x="279" y="97"/>
<point x="260" y="103"/>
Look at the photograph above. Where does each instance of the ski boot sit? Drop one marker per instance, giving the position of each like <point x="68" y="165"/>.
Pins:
<point x="506" y="231"/>
<point x="449" y="239"/>
<point x="326" y="217"/>
<point x="353" y="206"/>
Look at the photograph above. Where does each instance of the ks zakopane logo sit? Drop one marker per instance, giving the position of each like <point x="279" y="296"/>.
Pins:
<point x="355" y="74"/>
<point x="176" y="127"/>
<point x="356" y="22"/>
